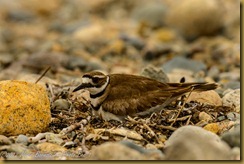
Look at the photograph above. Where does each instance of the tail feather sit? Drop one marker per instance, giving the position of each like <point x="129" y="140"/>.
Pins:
<point x="182" y="88"/>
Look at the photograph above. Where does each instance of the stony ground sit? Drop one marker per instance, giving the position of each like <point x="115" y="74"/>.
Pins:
<point x="161" y="39"/>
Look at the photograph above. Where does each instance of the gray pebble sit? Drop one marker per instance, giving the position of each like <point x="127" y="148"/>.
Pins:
<point x="22" y="139"/>
<point x="195" y="143"/>
<point x="184" y="63"/>
<point x="155" y="73"/>
<point x="61" y="104"/>
<point x="232" y="137"/>
<point x="232" y="99"/>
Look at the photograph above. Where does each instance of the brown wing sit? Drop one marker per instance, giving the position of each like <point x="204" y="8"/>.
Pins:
<point x="135" y="94"/>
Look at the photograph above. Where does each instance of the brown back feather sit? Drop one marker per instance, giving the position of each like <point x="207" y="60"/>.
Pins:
<point x="146" y="93"/>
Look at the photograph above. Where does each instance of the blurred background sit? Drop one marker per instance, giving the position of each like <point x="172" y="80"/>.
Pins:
<point x="195" y="39"/>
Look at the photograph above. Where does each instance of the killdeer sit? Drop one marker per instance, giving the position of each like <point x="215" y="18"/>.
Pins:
<point x="115" y="96"/>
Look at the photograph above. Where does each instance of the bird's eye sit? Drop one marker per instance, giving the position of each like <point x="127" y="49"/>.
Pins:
<point x="95" y="80"/>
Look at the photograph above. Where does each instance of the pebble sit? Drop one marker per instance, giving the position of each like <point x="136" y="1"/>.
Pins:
<point x="233" y="136"/>
<point x="184" y="63"/>
<point x="212" y="127"/>
<point x="196" y="18"/>
<point x="114" y="151"/>
<point x="74" y="62"/>
<point x="4" y="140"/>
<point x="151" y="14"/>
<point x="61" y="104"/>
<point x="153" y="151"/>
<point x="20" y="15"/>
<point x="22" y="139"/>
<point x="207" y="97"/>
<point x="25" y="108"/>
<point x="205" y="117"/>
<point x="155" y="73"/>
<point x="232" y="99"/>
<point x="123" y="150"/>
<point x="195" y="144"/>
<point x="233" y="116"/>
<point x="176" y="75"/>
<point x="236" y="153"/>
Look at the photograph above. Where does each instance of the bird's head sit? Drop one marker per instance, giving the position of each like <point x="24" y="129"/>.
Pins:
<point x="94" y="82"/>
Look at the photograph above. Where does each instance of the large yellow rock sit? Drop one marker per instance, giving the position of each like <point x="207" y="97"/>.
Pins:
<point x="24" y="108"/>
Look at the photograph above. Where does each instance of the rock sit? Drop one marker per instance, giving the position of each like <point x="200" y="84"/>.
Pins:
<point x="232" y="137"/>
<point x="232" y="99"/>
<point x="151" y="14"/>
<point x="184" y="63"/>
<point x="196" y="18"/>
<point x="50" y="147"/>
<point x="114" y="151"/>
<point x="74" y="62"/>
<point x="150" y="153"/>
<point x="25" y="108"/>
<point x="4" y="140"/>
<point x="236" y="153"/>
<point x="95" y="33"/>
<point x="54" y="138"/>
<point x="61" y="104"/>
<point x="123" y="150"/>
<point x="233" y="116"/>
<point x="203" y="116"/>
<point x="213" y="127"/>
<point x="20" y="15"/>
<point x="155" y="73"/>
<point x="176" y="75"/>
<point x="195" y="144"/>
<point x="22" y="139"/>
<point x="45" y="7"/>
<point x="164" y="35"/>
<point x="207" y="97"/>
<point x="131" y="40"/>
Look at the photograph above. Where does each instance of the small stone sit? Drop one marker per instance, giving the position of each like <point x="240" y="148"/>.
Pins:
<point x="232" y="137"/>
<point x="207" y="97"/>
<point x="205" y="117"/>
<point x="4" y="140"/>
<point x="232" y="99"/>
<point x="151" y="14"/>
<point x="196" y="18"/>
<point x="22" y="139"/>
<point x="184" y="63"/>
<point x="114" y="151"/>
<point x="155" y="73"/>
<point x="25" y="108"/>
<point x="50" y="147"/>
<point x="195" y="144"/>
<point x="61" y="104"/>
<point x="176" y="75"/>
<point x="233" y="116"/>
<point x="54" y="138"/>
<point x="69" y="144"/>
<point x="236" y="153"/>
<point x="213" y="127"/>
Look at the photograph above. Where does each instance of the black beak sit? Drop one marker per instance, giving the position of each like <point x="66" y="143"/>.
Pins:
<point x="82" y="86"/>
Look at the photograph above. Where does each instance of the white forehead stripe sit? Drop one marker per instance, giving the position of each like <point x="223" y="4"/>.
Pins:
<point x="99" y="76"/>
<point x="86" y="80"/>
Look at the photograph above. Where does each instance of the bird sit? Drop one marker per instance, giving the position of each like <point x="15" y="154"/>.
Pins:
<point x="116" y="96"/>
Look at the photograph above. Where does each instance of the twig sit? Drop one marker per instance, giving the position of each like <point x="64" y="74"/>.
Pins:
<point x="43" y="74"/>
<point x="179" y="119"/>
<point x="75" y="126"/>
<point x="166" y="127"/>
<point x="181" y="108"/>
